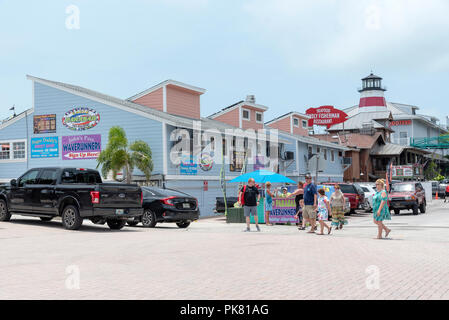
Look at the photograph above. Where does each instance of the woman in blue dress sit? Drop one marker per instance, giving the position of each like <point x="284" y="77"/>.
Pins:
<point x="268" y="203"/>
<point x="380" y="209"/>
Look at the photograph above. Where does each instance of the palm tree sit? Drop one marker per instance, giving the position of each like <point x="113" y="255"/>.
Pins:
<point x="118" y="155"/>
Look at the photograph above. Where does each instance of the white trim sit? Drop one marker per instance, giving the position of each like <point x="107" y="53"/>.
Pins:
<point x="301" y="115"/>
<point x="238" y="105"/>
<point x="261" y="113"/>
<point x="11" y="151"/>
<point x="164" y="98"/>
<point x="164" y="149"/>
<point x="15" y="119"/>
<point x="165" y="83"/>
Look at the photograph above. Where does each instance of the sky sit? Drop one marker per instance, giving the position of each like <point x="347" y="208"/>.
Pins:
<point x="290" y="54"/>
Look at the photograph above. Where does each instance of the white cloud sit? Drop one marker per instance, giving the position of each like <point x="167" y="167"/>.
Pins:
<point x="331" y="34"/>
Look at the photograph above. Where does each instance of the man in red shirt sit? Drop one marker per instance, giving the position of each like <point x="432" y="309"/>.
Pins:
<point x="446" y="195"/>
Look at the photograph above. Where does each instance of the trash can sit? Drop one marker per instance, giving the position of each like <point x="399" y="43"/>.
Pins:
<point x="235" y="215"/>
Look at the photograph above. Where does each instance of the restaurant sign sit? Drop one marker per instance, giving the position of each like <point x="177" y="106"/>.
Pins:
<point x="44" y="123"/>
<point x="80" y="119"/>
<point x="81" y="147"/>
<point x="325" y="116"/>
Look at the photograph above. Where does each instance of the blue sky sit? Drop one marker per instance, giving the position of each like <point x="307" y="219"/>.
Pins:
<point x="290" y="54"/>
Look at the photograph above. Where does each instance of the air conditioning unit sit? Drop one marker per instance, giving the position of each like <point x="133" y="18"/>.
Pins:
<point x="289" y="155"/>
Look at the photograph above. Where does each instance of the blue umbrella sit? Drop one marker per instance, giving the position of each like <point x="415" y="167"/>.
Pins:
<point x="263" y="176"/>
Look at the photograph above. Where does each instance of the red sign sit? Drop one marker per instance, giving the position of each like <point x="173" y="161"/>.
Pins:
<point x="326" y="116"/>
<point x="205" y="185"/>
<point x="400" y="123"/>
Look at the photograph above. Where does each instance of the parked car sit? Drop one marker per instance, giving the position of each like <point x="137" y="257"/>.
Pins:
<point x="362" y="201"/>
<point x="435" y="187"/>
<point x="350" y="192"/>
<point x="407" y="195"/>
<point x="442" y="187"/>
<point x="166" y="205"/>
<point x="220" y="204"/>
<point x="74" y="194"/>
<point x="370" y="191"/>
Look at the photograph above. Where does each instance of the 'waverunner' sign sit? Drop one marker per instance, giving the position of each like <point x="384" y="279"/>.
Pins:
<point x="81" y="147"/>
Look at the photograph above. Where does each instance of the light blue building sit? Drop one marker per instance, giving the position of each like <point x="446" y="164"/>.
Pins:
<point x="68" y="125"/>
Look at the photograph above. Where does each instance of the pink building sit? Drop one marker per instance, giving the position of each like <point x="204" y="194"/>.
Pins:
<point x="173" y="97"/>
<point x="292" y="122"/>
<point x="243" y="114"/>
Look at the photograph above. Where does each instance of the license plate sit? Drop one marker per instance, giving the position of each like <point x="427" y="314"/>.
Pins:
<point x="119" y="211"/>
<point x="186" y="205"/>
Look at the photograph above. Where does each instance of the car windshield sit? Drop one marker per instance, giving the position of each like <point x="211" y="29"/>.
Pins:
<point x="403" y="187"/>
<point x="365" y="189"/>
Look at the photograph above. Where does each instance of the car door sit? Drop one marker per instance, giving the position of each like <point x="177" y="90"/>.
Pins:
<point x="21" y="198"/>
<point x="44" y="196"/>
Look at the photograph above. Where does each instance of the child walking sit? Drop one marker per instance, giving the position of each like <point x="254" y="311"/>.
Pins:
<point x="323" y="212"/>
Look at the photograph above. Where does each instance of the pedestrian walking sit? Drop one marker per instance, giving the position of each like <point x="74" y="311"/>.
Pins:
<point x="299" y="201"/>
<point x="380" y="209"/>
<point x="323" y="212"/>
<point x="310" y="203"/>
<point x="249" y="198"/>
<point x="338" y="203"/>
<point x="268" y="203"/>
<point x="446" y="194"/>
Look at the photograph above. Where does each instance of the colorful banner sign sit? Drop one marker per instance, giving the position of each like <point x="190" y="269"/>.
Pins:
<point x="80" y="119"/>
<point x="81" y="147"/>
<point x="284" y="211"/>
<point x="325" y="116"/>
<point x="188" y="166"/>
<point x="402" y="171"/>
<point x="45" y="147"/>
<point x="44" y="123"/>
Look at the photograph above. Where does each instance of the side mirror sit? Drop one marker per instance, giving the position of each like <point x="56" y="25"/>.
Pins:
<point x="13" y="183"/>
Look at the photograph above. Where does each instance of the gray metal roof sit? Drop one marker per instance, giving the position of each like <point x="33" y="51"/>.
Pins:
<point x="357" y="120"/>
<point x="388" y="149"/>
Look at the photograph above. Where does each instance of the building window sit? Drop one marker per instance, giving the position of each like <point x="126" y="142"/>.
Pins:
<point x="403" y="138"/>
<point x="246" y="114"/>
<point x="310" y="152"/>
<point x="304" y="123"/>
<point x="296" y="122"/>
<point x="259" y="117"/>
<point x="325" y="154"/>
<point x="318" y="150"/>
<point x="12" y="150"/>
<point x="340" y="154"/>
<point x="332" y="155"/>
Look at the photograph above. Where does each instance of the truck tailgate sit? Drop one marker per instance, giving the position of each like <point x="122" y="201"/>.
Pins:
<point x="118" y="195"/>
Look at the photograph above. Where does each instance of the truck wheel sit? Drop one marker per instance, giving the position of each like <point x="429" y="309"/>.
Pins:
<point x="46" y="219"/>
<point x="422" y="207"/>
<point x="4" y="214"/>
<point x="415" y="209"/>
<point x="397" y="211"/>
<point x="71" y="218"/>
<point x="183" y="224"/>
<point x="116" y="224"/>
<point x="148" y="219"/>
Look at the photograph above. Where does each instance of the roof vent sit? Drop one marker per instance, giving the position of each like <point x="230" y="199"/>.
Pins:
<point x="251" y="98"/>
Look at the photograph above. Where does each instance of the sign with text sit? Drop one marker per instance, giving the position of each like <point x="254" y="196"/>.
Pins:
<point x="325" y="116"/>
<point x="44" y="123"/>
<point x="402" y="171"/>
<point x="284" y="211"/>
<point x="188" y="166"/>
<point x="400" y="123"/>
<point x="81" y="147"/>
<point x="80" y="119"/>
<point x="45" y="147"/>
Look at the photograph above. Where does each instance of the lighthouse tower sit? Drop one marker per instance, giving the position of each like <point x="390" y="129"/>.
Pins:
<point x="372" y="95"/>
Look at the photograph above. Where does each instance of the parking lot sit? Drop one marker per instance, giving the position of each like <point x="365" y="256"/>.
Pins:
<point x="215" y="260"/>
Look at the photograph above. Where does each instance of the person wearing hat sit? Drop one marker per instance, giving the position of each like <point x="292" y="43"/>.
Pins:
<point x="310" y="203"/>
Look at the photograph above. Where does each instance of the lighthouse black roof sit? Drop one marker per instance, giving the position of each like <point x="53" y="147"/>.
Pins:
<point x="372" y="76"/>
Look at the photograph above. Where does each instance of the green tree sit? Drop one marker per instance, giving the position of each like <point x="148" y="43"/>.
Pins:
<point x="119" y="155"/>
<point x="431" y="171"/>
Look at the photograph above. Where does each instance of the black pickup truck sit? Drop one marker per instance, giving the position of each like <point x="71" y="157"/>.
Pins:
<point x="73" y="194"/>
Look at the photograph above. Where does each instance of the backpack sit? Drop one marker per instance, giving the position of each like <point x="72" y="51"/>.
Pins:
<point x="242" y="196"/>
